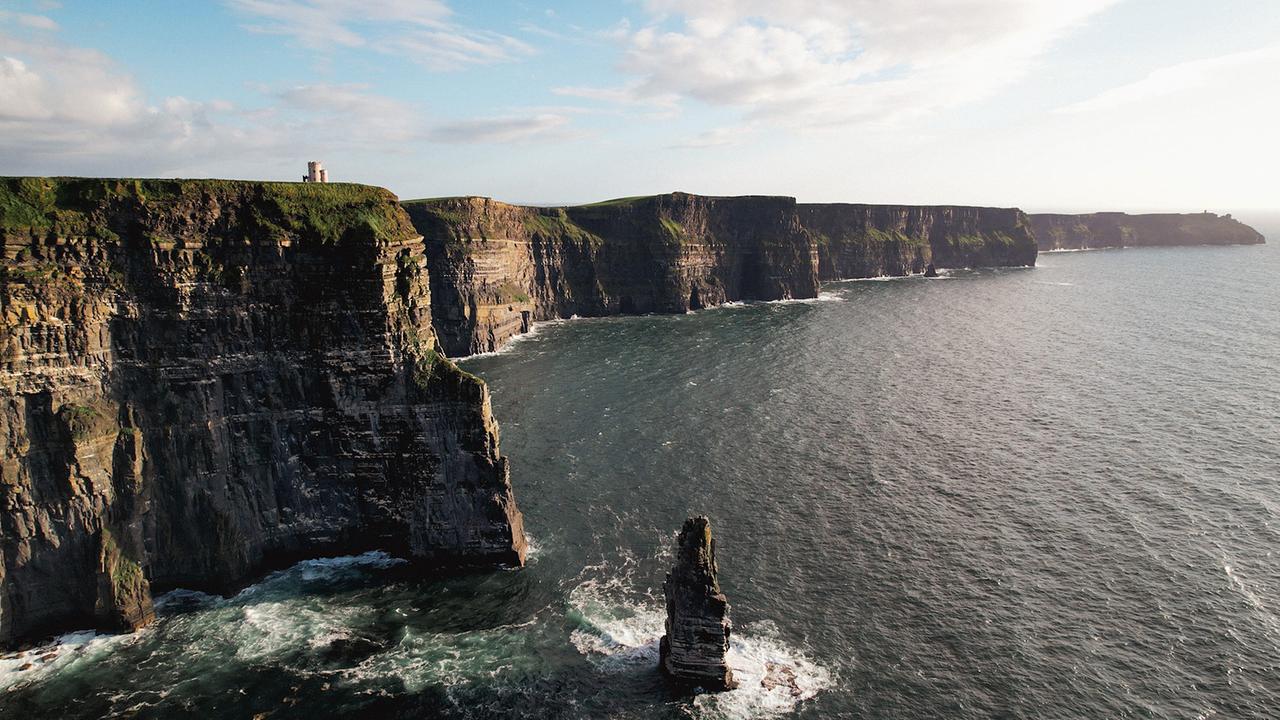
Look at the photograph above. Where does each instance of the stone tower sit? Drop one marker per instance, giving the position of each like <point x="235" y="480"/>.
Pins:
<point x="316" y="172"/>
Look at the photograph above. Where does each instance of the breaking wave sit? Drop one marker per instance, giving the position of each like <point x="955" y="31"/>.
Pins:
<point x="618" y="635"/>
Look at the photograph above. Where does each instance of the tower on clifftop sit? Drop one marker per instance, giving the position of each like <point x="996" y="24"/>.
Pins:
<point x="316" y="172"/>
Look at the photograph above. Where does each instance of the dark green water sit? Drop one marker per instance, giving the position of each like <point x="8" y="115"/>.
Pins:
<point x="1037" y="493"/>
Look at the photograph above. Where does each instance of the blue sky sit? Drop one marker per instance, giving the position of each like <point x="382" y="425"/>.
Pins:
<point x="1043" y="104"/>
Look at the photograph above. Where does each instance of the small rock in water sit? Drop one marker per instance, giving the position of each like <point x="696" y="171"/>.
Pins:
<point x="350" y="651"/>
<point x="693" y="649"/>
<point x="931" y="271"/>
<point x="776" y="676"/>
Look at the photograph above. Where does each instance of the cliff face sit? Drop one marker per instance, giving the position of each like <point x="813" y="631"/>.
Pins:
<point x="497" y="267"/>
<point x="204" y="379"/>
<point x="1114" y="230"/>
<point x="858" y="241"/>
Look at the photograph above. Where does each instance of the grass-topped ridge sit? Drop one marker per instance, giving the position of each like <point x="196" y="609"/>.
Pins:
<point x="327" y="213"/>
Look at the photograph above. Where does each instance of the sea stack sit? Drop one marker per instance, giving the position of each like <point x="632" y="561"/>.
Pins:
<point x="693" y="649"/>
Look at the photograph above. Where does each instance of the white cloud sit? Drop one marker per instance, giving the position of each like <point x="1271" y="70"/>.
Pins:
<point x="421" y="30"/>
<point x="627" y="95"/>
<point x="502" y="129"/>
<point x="837" y="62"/>
<point x="70" y="84"/>
<point x="1237" y="70"/>
<point x="72" y="110"/>
<point x="717" y="137"/>
<point x="33" y="22"/>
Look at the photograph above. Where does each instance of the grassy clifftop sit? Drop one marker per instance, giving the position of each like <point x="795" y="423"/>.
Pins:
<point x="330" y="213"/>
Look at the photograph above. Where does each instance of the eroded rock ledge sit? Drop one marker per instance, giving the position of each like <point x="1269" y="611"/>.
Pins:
<point x="202" y="380"/>
<point x="693" y="650"/>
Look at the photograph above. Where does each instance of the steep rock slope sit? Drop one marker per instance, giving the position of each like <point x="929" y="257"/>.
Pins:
<point x="1114" y="230"/>
<point x="497" y="267"/>
<point x="858" y="241"/>
<point x="205" y="379"/>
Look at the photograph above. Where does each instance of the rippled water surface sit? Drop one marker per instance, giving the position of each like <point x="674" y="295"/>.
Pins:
<point x="1039" y="493"/>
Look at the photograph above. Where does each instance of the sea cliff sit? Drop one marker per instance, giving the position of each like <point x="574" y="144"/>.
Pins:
<point x="1117" y="230"/>
<point x="202" y="380"/>
<point x="496" y="268"/>
<point x="858" y="241"/>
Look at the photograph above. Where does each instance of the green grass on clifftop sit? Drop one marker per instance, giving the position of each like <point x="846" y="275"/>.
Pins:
<point x="323" y="212"/>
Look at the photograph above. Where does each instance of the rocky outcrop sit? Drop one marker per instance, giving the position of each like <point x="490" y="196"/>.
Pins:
<point x="692" y="651"/>
<point x="202" y="380"/>
<point x="860" y="241"/>
<point x="1117" y="230"/>
<point x="496" y="267"/>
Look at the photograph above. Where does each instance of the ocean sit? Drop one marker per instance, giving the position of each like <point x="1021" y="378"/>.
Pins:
<point x="1050" y="492"/>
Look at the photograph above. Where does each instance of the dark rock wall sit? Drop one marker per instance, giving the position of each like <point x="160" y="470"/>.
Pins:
<point x="496" y="267"/>
<point x="202" y="380"/>
<point x="1115" y="230"/>
<point x="859" y="241"/>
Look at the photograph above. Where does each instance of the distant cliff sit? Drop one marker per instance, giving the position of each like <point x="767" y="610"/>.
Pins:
<point x="496" y="268"/>
<point x="857" y="241"/>
<point x="202" y="380"/>
<point x="1115" y="230"/>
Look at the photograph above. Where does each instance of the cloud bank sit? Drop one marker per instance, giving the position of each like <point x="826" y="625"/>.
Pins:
<point x="814" y="63"/>
<point x="422" y="30"/>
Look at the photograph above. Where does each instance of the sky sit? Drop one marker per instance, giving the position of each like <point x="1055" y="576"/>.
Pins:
<point x="1067" y="105"/>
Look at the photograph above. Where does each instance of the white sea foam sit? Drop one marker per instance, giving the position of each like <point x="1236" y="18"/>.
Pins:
<point x="322" y="570"/>
<point x="509" y="344"/>
<point x="424" y="659"/>
<point x="823" y="296"/>
<point x="614" y="636"/>
<point x="1255" y="601"/>
<point x="756" y="652"/>
<point x="877" y="278"/>
<point x="64" y="652"/>
<point x="532" y="548"/>
<point x="623" y="637"/>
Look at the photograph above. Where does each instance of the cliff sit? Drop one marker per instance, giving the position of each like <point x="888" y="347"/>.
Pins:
<point x="1116" y="230"/>
<point x="693" y="650"/>
<point x="202" y="380"/>
<point x="497" y="267"/>
<point x="859" y="241"/>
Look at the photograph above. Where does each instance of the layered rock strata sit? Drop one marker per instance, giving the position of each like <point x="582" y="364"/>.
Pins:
<point x="1117" y="230"/>
<point x="693" y="649"/>
<point x="202" y="380"/>
<point x="859" y="241"/>
<point x="496" y="268"/>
